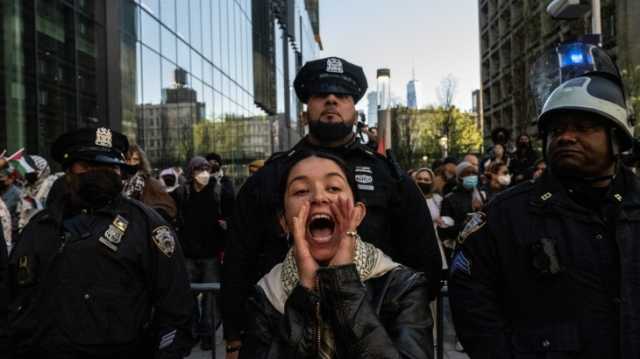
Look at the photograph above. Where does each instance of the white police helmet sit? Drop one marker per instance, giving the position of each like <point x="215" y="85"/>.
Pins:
<point x="595" y="93"/>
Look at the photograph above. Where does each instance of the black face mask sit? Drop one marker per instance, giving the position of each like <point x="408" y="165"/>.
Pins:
<point x="425" y="187"/>
<point x="170" y="181"/>
<point x="31" y="177"/>
<point x="215" y="167"/>
<point x="329" y="132"/>
<point x="94" y="189"/>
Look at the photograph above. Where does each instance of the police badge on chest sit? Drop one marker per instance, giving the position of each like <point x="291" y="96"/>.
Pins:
<point x="112" y="237"/>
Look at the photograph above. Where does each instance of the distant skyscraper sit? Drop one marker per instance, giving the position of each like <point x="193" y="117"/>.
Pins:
<point x="384" y="89"/>
<point x="414" y="93"/>
<point x="372" y="110"/>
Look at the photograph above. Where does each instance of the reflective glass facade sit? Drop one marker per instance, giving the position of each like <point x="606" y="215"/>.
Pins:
<point x="52" y="70"/>
<point x="171" y="74"/>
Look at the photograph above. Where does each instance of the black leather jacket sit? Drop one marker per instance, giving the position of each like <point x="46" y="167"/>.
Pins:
<point x="387" y="317"/>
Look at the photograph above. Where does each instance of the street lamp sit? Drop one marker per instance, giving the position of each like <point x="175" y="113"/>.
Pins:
<point x="575" y="9"/>
<point x="444" y="144"/>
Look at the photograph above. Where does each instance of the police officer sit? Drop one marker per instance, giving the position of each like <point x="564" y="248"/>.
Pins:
<point x="551" y="270"/>
<point x="397" y="221"/>
<point x="97" y="275"/>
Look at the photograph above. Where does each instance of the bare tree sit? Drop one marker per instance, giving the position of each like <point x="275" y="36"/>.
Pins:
<point x="446" y="94"/>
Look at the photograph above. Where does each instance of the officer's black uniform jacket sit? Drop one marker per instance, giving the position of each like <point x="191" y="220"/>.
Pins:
<point x="385" y="318"/>
<point x="72" y="294"/>
<point x="397" y="222"/>
<point x="516" y="294"/>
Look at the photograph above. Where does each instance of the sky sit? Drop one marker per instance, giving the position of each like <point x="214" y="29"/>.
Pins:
<point x="438" y="37"/>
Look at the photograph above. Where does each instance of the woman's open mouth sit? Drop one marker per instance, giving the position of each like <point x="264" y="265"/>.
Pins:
<point x="321" y="227"/>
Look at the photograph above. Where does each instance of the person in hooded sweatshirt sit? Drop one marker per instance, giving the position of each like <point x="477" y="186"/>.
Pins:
<point x="200" y="235"/>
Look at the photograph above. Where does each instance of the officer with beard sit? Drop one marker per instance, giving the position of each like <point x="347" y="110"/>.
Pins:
<point x="97" y="275"/>
<point x="398" y="220"/>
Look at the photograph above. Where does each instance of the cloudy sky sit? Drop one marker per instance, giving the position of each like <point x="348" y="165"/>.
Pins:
<point x="438" y="37"/>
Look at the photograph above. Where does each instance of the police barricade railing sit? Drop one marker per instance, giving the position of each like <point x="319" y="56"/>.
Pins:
<point x="444" y="293"/>
<point x="214" y="289"/>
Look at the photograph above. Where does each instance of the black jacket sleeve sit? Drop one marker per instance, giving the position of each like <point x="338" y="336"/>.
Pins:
<point x="227" y="198"/>
<point x="291" y="336"/>
<point x="171" y="295"/>
<point x="474" y="295"/>
<point x="414" y="226"/>
<point x="448" y="210"/>
<point x="408" y="332"/>
<point x="240" y="258"/>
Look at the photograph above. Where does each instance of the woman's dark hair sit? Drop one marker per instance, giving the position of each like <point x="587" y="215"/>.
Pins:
<point x="298" y="156"/>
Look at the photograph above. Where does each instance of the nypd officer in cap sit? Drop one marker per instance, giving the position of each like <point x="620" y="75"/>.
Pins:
<point x="97" y="275"/>
<point x="397" y="220"/>
<point x="552" y="270"/>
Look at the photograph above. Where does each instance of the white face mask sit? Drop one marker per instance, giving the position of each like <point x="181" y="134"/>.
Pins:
<point x="202" y="178"/>
<point x="504" y="180"/>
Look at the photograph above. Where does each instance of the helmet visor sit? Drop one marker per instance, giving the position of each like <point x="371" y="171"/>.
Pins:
<point x="565" y="62"/>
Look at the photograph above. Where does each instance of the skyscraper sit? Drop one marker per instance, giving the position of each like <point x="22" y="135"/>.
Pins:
<point x="414" y="94"/>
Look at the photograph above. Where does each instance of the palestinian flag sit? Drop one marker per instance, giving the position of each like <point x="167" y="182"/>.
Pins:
<point x="18" y="161"/>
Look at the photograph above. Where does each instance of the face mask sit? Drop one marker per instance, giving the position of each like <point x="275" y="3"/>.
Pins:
<point x="96" y="188"/>
<point x="202" y="178"/>
<point x="329" y="132"/>
<point x="31" y="177"/>
<point x="425" y="187"/>
<point x="215" y="167"/>
<point x="470" y="182"/>
<point x="504" y="180"/>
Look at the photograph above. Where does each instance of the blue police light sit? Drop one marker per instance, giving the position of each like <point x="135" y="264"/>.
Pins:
<point x="576" y="58"/>
<point x="575" y="54"/>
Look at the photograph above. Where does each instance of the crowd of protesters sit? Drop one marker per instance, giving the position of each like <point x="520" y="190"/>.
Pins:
<point x="329" y="248"/>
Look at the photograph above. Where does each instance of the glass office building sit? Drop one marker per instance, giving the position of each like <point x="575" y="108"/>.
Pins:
<point x="179" y="77"/>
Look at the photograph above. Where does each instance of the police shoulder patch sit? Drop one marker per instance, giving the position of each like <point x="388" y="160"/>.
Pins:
<point x="164" y="240"/>
<point x="476" y="221"/>
<point x="461" y="264"/>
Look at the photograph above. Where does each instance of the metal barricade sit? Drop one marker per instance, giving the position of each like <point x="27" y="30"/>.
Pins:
<point x="214" y="289"/>
<point x="444" y="293"/>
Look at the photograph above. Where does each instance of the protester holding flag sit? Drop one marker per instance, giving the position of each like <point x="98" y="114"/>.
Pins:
<point x="5" y="223"/>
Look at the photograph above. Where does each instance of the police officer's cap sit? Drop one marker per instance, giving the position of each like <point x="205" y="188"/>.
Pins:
<point x="330" y="75"/>
<point x="98" y="145"/>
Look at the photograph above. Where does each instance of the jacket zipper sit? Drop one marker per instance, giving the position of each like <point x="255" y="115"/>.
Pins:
<point x="317" y="328"/>
<point x="318" y="319"/>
